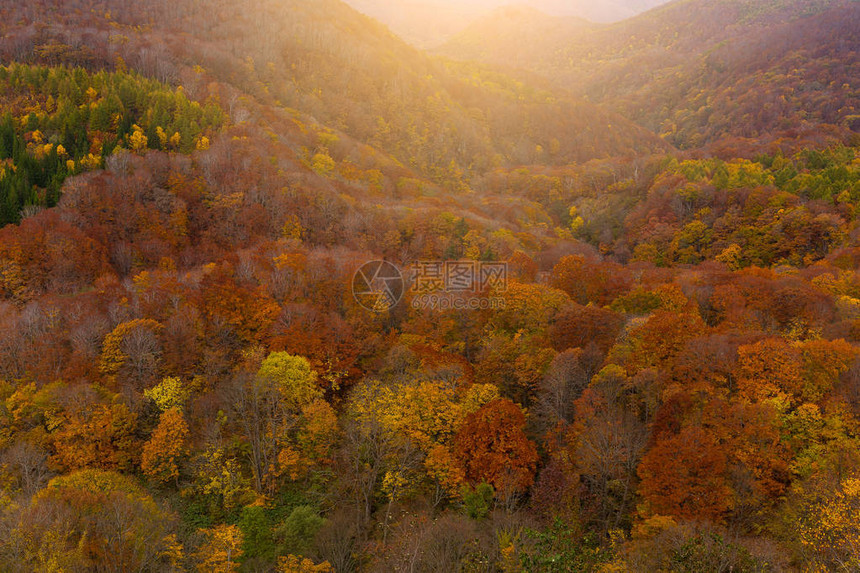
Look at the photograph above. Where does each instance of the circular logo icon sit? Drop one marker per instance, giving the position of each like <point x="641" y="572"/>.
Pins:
<point x="377" y="286"/>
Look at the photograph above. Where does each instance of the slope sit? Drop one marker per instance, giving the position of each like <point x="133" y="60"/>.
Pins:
<point x="687" y="70"/>
<point x="447" y="121"/>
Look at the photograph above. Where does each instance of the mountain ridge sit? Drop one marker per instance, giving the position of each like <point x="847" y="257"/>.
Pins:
<point x="660" y="67"/>
<point x="430" y="23"/>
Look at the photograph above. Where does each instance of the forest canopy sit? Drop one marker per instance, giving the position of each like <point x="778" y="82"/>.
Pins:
<point x="61" y="121"/>
<point x="661" y="367"/>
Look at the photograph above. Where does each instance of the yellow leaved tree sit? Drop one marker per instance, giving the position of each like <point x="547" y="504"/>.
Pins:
<point x="299" y="564"/>
<point x="168" y="394"/>
<point x="222" y="550"/>
<point x="830" y="530"/>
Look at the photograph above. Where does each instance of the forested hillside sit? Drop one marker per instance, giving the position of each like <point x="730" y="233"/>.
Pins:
<point x="696" y="71"/>
<point x="58" y="122"/>
<point x="350" y="73"/>
<point x="665" y="377"/>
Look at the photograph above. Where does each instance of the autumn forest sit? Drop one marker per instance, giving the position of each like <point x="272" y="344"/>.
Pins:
<point x="620" y="329"/>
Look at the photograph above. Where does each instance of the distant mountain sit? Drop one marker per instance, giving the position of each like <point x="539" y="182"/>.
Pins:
<point x="515" y="37"/>
<point x="430" y="23"/>
<point x="603" y="11"/>
<point x="699" y="70"/>
<point x="696" y="70"/>
<point x="423" y="23"/>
